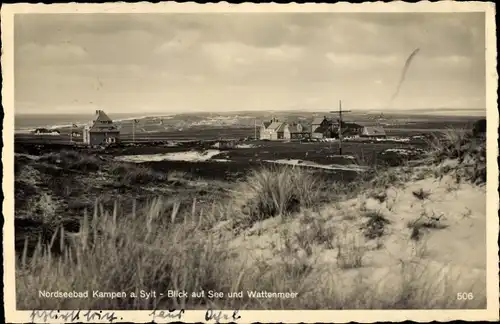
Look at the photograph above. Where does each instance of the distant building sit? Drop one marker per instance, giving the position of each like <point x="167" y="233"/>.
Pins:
<point x="298" y="131"/>
<point x="325" y="131"/>
<point x="373" y="132"/>
<point x="351" y="129"/>
<point x="102" y="131"/>
<point x="274" y="130"/>
<point x="45" y="131"/>
<point x="318" y="122"/>
<point x="321" y="128"/>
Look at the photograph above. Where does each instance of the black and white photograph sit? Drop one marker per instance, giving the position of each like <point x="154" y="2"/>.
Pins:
<point x="225" y="161"/>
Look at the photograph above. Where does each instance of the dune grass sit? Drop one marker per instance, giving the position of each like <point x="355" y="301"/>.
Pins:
<point x="155" y="251"/>
<point x="461" y="146"/>
<point x="161" y="248"/>
<point x="277" y="191"/>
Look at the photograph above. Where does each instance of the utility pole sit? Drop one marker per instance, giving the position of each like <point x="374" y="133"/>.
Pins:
<point x="133" y="130"/>
<point x="340" y="111"/>
<point x="255" y="129"/>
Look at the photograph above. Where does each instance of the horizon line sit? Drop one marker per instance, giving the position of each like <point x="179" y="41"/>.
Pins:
<point x="326" y="110"/>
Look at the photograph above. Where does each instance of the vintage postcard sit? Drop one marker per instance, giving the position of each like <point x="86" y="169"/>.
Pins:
<point x="250" y="163"/>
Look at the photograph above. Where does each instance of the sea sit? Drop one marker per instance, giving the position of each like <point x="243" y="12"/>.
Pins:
<point x="24" y="123"/>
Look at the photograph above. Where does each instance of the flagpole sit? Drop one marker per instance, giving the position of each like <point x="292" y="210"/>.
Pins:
<point x="133" y="131"/>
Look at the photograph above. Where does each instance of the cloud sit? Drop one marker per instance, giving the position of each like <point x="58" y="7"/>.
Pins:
<point x="221" y="60"/>
<point x="183" y="41"/>
<point x="56" y="53"/>
<point x="361" y="61"/>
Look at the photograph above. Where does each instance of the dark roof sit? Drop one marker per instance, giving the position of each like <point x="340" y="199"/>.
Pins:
<point x="266" y="124"/>
<point x="351" y="125"/>
<point x="322" y="129"/>
<point x="281" y="127"/>
<point x="102" y="123"/>
<point x="275" y="125"/>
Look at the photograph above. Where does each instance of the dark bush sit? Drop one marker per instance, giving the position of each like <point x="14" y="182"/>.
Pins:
<point x="479" y="128"/>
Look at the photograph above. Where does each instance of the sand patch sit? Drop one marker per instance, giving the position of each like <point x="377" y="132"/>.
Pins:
<point x="189" y="156"/>
<point x="336" y="167"/>
<point x="246" y="146"/>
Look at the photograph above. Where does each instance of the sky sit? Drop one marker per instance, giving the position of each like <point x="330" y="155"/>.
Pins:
<point x="76" y="63"/>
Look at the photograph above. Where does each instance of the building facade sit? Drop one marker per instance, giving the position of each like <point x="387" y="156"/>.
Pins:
<point x="275" y="130"/>
<point x="102" y="131"/>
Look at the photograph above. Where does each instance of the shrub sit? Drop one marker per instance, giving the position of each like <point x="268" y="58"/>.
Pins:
<point x="479" y="128"/>
<point x="136" y="174"/>
<point x="72" y="160"/>
<point x="85" y="163"/>
<point x="43" y="207"/>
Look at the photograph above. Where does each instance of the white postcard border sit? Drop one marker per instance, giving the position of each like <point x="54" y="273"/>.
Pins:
<point x="362" y="316"/>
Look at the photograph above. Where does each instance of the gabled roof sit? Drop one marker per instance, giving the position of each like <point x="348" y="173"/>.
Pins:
<point x="275" y="125"/>
<point x="102" y="123"/>
<point x="281" y="128"/>
<point x="372" y="131"/>
<point x="266" y="124"/>
<point x="102" y="117"/>
<point x="317" y="120"/>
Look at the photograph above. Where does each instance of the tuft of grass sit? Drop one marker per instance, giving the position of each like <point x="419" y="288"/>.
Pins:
<point x="315" y="231"/>
<point x="379" y="195"/>
<point x="350" y="251"/>
<point x="375" y="226"/>
<point x="451" y="143"/>
<point x="421" y="194"/>
<point x="424" y="221"/>
<point x="462" y="146"/>
<point x="278" y="191"/>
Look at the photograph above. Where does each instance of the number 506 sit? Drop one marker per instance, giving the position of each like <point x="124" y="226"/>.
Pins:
<point x="465" y="296"/>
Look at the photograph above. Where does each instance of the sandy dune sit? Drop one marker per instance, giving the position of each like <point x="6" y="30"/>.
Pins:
<point x="448" y="259"/>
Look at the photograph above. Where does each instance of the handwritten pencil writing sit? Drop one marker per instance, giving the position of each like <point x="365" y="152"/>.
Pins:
<point x="72" y="316"/>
